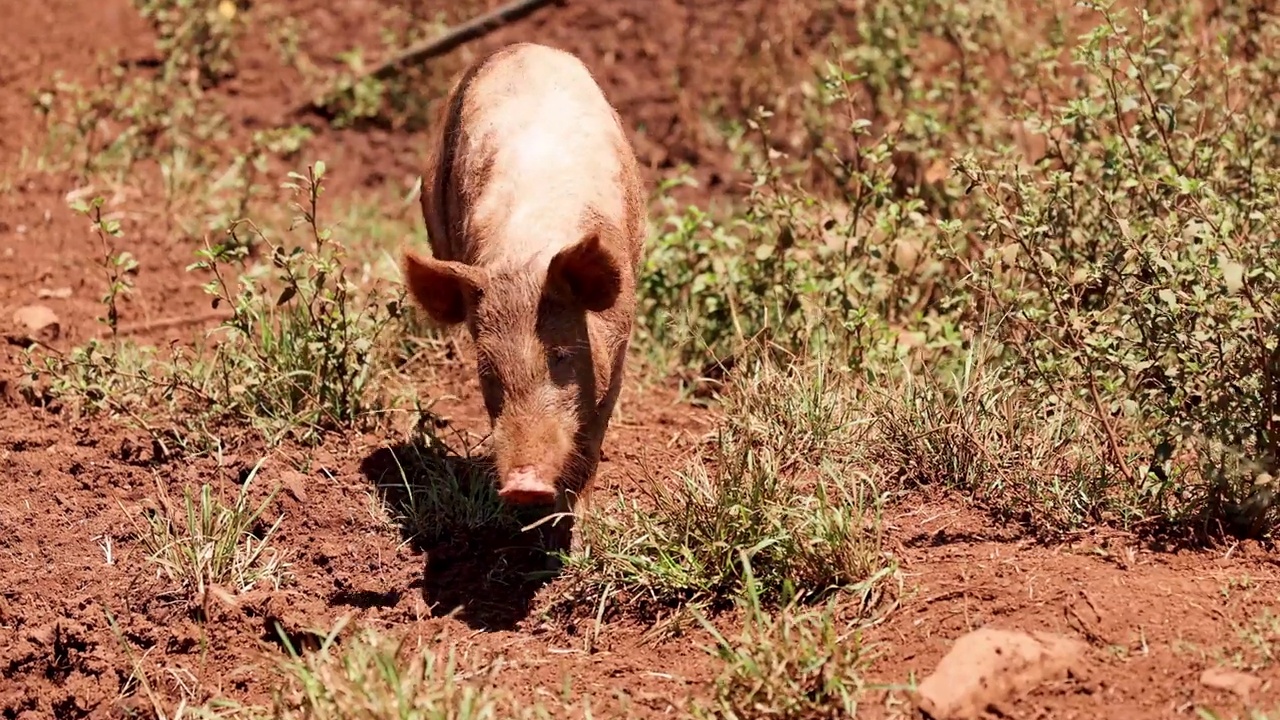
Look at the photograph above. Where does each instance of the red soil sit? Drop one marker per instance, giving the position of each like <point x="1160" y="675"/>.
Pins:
<point x="1154" y="620"/>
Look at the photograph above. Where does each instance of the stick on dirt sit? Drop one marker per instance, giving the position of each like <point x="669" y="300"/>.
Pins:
<point x="451" y="39"/>
<point x="171" y="322"/>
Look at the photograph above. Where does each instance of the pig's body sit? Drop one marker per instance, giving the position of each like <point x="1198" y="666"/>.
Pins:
<point x="530" y="146"/>
<point x="535" y="212"/>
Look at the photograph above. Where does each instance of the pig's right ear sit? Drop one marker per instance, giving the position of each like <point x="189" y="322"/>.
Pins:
<point x="442" y="287"/>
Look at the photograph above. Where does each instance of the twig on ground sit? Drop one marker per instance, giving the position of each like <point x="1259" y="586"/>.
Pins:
<point x="452" y="38"/>
<point x="163" y="323"/>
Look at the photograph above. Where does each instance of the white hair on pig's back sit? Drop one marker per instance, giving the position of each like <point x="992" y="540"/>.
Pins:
<point x="544" y="124"/>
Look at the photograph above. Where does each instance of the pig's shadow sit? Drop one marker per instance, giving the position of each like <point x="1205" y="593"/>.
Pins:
<point x="477" y="560"/>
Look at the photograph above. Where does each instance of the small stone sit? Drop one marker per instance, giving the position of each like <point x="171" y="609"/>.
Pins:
<point x="36" y="323"/>
<point x="988" y="666"/>
<point x="296" y="484"/>
<point x="1233" y="681"/>
<point x="61" y="293"/>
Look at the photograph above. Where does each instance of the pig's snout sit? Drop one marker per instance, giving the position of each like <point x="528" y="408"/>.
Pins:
<point x="532" y="449"/>
<point x="528" y="485"/>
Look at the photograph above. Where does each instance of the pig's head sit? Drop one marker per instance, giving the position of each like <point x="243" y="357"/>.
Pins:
<point x="550" y="342"/>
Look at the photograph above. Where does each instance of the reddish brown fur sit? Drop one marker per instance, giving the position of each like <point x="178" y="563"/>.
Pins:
<point x="535" y="213"/>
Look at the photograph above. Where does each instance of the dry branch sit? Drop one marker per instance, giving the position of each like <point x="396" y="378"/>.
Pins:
<point x="451" y="39"/>
<point x="170" y="322"/>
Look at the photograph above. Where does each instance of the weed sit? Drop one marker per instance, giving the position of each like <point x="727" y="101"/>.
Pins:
<point x="796" y="663"/>
<point x="445" y="495"/>
<point x="403" y="99"/>
<point x="195" y="38"/>
<point x="306" y="360"/>
<point x="1109" y="246"/>
<point x="110" y="126"/>
<point x="204" y="543"/>
<point x="1135" y="268"/>
<point x="1259" y="643"/>
<point x="302" y="353"/>
<point x="229" y="198"/>
<point x="779" y="484"/>
<point x="117" y="266"/>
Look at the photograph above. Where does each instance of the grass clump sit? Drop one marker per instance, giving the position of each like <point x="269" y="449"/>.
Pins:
<point x="370" y="676"/>
<point x="203" y="542"/>
<point x="374" y="677"/>
<point x="1258" y="643"/>
<point x="440" y="494"/>
<point x="1253" y="714"/>
<point x="970" y="430"/>
<point x="794" y="664"/>
<point x="777" y="484"/>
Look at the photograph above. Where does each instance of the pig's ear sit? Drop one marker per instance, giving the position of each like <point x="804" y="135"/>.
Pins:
<point x="442" y="287"/>
<point x="587" y="272"/>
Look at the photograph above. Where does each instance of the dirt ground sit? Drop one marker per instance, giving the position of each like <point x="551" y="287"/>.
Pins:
<point x="1154" y="620"/>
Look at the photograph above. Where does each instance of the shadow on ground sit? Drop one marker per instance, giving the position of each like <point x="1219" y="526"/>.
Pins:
<point x="477" y="560"/>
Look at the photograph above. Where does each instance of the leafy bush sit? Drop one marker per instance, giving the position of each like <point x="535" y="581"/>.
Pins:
<point x="1106" y="237"/>
<point x="1135" y="267"/>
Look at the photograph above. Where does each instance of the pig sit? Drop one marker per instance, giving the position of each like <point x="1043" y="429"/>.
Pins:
<point x="535" y="215"/>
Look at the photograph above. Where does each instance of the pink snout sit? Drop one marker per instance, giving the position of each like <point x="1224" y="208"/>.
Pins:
<point x="525" y="485"/>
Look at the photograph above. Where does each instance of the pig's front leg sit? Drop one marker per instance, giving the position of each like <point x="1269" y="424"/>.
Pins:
<point x="564" y="532"/>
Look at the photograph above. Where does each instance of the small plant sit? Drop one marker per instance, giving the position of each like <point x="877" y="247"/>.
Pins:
<point x="402" y="99"/>
<point x="196" y="38"/>
<point x="302" y="354"/>
<point x="109" y="127"/>
<point x="374" y="678"/>
<point x="1259" y="643"/>
<point x="230" y="197"/>
<point x="780" y="484"/>
<point x="204" y="543"/>
<point x="117" y="266"/>
<point x="796" y="664"/>
<point x="304" y="350"/>
<point x="444" y="495"/>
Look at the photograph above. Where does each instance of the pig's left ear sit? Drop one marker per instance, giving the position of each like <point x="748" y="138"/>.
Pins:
<point x="587" y="272"/>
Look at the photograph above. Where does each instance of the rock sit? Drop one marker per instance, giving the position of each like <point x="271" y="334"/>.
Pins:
<point x="61" y="293"/>
<point x="10" y="395"/>
<point x="1233" y="681"/>
<point x="35" y="323"/>
<point x="296" y="484"/>
<point x="989" y="666"/>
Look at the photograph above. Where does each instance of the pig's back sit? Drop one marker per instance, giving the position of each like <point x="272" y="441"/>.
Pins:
<point x="542" y="147"/>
